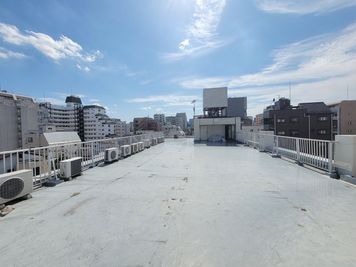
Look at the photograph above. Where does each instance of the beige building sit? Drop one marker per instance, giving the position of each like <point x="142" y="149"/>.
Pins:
<point x="344" y="117"/>
<point x="258" y="121"/>
<point x="18" y="122"/>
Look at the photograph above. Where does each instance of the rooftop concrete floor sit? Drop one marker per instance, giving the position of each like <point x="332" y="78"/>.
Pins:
<point x="179" y="204"/>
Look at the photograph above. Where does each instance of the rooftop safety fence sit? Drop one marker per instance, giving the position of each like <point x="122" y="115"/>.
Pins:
<point x="312" y="152"/>
<point x="45" y="161"/>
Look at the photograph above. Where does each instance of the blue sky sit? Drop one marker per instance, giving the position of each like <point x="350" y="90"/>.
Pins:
<point x="140" y="57"/>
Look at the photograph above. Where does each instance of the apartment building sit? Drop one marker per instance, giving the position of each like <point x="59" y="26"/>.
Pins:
<point x="19" y="122"/>
<point x="160" y="119"/>
<point x="307" y="120"/>
<point x="62" y="118"/>
<point x="344" y="117"/>
<point x="96" y="123"/>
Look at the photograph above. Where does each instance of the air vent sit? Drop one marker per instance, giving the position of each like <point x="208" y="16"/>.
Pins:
<point x="11" y="188"/>
<point x="113" y="154"/>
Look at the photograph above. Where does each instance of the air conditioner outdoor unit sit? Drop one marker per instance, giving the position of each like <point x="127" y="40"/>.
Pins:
<point x="112" y="154"/>
<point x="147" y="143"/>
<point x="126" y="150"/>
<point x="15" y="185"/>
<point x="70" y="168"/>
<point x="160" y="139"/>
<point x="141" y="146"/>
<point x="154" y="141"/>
<point x="134" y="148"/>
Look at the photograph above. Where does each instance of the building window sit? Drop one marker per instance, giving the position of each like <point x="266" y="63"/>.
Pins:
<point x="323" y="118"/>
<point x="281" y="133"/>
<point x="323" y="132"/>
<point x="281" y="120"/>
<point x="29" y="139"/>
<point x="295" y="119"/>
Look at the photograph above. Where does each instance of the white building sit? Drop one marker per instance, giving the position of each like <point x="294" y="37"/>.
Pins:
<point x="98" y="125"/>
<point x="93" y="128"/>
<point x="62" y="118"/>
<point x="160" y="119"/>
<point x="214" y="124"/>
<point x="120" y="127"/>
<point x="18" y="122"/>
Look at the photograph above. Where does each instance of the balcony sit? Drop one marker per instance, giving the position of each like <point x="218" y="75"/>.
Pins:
<point x="179" y="204"/>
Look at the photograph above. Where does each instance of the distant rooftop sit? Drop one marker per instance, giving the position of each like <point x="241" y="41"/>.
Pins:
<point x="73" y="99"/>
<point x="179" y="204"/>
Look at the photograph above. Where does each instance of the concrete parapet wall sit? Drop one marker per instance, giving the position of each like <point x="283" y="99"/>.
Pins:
<point x="345" y="154"/>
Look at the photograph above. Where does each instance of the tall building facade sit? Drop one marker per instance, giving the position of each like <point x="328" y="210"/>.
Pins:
<point x="62" y="118"/>
<point x="181" y="120"/>
<point x="18" y="122"/>
<point x="307" y="120"/>
<point x="160" y="119"/>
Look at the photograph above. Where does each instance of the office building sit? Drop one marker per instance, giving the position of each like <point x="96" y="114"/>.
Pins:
<point x="181" y="120"/>
<point x="307" y="120"/>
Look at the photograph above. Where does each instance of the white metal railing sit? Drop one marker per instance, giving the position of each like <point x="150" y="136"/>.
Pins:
<point x="44" y="161"/>
<point x="313" y="152"/>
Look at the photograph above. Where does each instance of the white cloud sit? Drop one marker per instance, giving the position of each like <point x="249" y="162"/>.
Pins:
<point x="83" y="68"/>
<point x="201" y="35"/>
<point x="303" y="6"/>
<point x="57" y="50"/>
<point x="318" y="69"/>
<point x="5" y="54"/>
<point x="184" y="44"/>
<point x="166" y="100"/>
<point x="146" y="108"/>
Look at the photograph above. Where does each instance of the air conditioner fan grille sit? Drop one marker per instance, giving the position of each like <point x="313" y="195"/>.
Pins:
<point x="11" y="188"/>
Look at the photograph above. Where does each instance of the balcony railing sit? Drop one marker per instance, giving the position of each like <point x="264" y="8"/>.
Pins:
<point x="312" y="152"/>
<point x="44" y="161"/>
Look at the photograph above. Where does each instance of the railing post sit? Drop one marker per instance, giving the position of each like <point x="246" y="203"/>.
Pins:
<point x="49" y="158"/>
<point x="277" y="145"/>
<point x="92" y="154"/>
<point x="330" y="159"/>
<point x="297" y="145"/>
